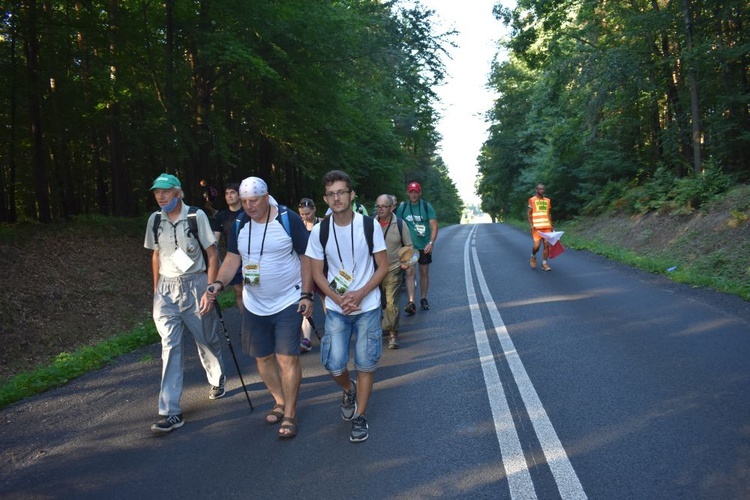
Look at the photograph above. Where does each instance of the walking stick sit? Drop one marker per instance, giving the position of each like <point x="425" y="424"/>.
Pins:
<point x="312" y="324"/>
<point x="231" y="349"/>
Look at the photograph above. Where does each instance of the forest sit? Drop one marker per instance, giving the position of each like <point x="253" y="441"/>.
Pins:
<point x="101" y="96"/>
<point x="629" y="105"/>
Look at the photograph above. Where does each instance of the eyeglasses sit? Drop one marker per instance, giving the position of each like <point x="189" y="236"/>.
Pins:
<point x="338" y="194"/>
<point x="383" y="206"/>
<point x="306" y="203"/>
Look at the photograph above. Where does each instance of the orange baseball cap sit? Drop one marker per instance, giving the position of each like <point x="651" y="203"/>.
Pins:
<point x="414" y="186"/>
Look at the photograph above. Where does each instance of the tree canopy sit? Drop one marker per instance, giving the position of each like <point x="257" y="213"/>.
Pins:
<point x="103" y="95"/>
<point x="597" y="95"/>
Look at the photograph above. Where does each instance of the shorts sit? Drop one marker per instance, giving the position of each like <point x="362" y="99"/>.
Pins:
<point x="535" y="233"/>
<point x="279" y="333"/>
<point x="425" y="258"/>
<point x="368" y="342"/>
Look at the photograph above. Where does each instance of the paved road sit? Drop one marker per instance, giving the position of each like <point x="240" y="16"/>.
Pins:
<point x="593" y="380"/>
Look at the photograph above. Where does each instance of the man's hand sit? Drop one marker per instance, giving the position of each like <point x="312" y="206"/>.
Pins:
<point x="305" y="307"/>
<point x="350" y="301"/>
<point x="207" y="303"/>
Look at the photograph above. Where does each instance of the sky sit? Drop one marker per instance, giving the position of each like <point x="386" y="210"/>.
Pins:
<point x="465" y="98"/>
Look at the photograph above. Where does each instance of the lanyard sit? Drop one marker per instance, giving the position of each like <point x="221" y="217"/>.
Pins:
<point x="388" y="227"/>
<point x="337" y="245"/>
<point x="263" y="241"/>
<point x="419" y="211"/>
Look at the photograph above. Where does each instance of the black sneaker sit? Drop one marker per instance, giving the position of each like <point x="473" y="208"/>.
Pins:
<point x="349" y="403"/>
<point x="410" y="308"/>
<point x="425" y="305"/>
<point x="360" y="430"/>
<point x="217" y="392"/>
<point x="169" y="423"/>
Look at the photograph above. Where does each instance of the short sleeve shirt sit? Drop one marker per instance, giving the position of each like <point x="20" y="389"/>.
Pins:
<point x="174" y="235"/>
<point x="278" y="256"/>
<point x="393" y="241"/>
<point x="350" y="244"/>
<point x="418" y="217"/>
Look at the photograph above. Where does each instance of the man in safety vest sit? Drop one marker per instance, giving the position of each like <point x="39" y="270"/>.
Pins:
<point x="540" y="219"/>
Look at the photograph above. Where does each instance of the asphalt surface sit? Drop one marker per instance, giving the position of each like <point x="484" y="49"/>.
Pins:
<point x="593" y="380"/>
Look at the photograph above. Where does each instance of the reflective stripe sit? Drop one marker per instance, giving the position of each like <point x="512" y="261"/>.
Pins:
<point x="540" y="212"/>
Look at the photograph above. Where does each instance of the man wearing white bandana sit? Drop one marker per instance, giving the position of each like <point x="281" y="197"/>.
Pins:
<point x="179" y="274"/>
<point x="268" y="241"/>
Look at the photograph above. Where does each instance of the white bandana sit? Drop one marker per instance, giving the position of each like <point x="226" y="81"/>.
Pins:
<point x="253" y="186"/>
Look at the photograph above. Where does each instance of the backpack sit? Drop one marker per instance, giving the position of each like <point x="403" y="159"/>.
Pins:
<point x="325" y="227"/>
<point x="402" y="208"/>
<point x="192" y="218"/>
<point x="282" y="216"/>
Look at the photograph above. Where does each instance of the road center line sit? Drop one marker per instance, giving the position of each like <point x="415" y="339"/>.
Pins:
<point x="514" y="462"/>
<point x="562" y="470"/>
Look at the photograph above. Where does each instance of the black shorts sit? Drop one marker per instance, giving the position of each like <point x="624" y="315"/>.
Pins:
<point x="425" y="258"/>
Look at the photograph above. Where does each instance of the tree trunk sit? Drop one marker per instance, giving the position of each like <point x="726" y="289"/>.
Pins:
<point x="31" y="48"/>
<point x="693" y="82"/>
<point x="121" y="184"/>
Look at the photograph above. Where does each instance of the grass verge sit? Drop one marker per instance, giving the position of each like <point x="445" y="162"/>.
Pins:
<point x="713" y="270"/>
<point x="68" y="366"/>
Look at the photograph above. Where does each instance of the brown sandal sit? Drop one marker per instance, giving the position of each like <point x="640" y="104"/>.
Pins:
<point x="290" y="430"/>
<point x="275" y="415"/>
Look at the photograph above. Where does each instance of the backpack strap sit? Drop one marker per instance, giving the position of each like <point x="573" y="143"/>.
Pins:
<point x="400" y="224"/>
<point x="157" y="222"/>
<point x="283" y="218"/>
<point x="325" y="228"/>
<point x="193" y="224"/>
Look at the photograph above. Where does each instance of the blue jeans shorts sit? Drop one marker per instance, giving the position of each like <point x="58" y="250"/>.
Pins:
<point x="368" y="342"/>
<point x="279" y="333"/>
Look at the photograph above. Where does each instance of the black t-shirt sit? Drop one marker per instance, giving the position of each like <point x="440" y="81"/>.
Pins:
<point x="222" y="222"/>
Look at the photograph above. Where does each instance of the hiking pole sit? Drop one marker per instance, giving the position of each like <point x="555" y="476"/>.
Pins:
<point x="231" y="349"/>
<point x="312" y="324"/>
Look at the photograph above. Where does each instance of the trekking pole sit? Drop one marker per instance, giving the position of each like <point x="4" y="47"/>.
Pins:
<point x="231" y="349"/>
<point x="312" y="324"/>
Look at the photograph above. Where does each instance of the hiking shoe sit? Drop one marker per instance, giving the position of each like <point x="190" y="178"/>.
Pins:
<point x="349" y="402"/>
<point x="393" y="341"/>
<point x="360" y="430"/>
<point x="305" y="345"/>
<point x="217" y="391"/>
<point x="169" y="423"/>
<point x="545" y="267"/>
<point x="532" y="262"/>
<point x="425" y="305"/>
<point x="410" y="308"/>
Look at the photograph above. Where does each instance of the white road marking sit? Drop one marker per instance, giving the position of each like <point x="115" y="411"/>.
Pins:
<point x="557" y="459"/>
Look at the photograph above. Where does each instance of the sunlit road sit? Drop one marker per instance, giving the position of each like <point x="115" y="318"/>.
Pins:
<point x="590" y="381"/>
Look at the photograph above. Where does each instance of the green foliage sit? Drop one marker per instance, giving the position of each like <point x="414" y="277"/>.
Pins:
<point x="67" y="366"/>
<point x="598" y="93"/>
<point x="215" y="90"/>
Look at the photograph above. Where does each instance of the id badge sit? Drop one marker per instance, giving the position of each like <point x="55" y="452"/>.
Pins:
<point x="181" y="260"/>
<point x="252" y="274"/>
<point x="421" y="229"/>
<point x="341" y="283"/>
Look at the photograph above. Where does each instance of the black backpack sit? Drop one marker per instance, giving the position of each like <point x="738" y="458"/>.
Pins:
<point x="325" y="227"/>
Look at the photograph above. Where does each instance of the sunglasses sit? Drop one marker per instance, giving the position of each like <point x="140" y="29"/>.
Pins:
<point x="306" y="203"/>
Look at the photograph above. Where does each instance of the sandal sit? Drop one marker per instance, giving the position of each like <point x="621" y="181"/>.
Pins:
<point x="275" y="415"/>
<point x="289" y="430"/>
